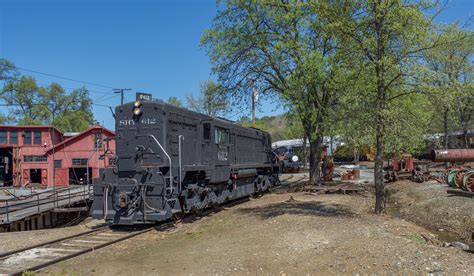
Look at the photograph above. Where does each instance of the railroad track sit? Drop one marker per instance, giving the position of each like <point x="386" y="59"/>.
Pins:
<point x="293" y="178"/>
<point x="45" y="254"/>
<point x="39" y="256"/>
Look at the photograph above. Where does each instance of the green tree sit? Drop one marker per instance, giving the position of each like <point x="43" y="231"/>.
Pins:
<point x="7" y="69"/>
<point x="451" y="82"/>
<point x="210" y="101"/>
<point x="175" y="101"/>
<point x="22" y="95"/>
<point x="30" y="104"/>
<point x="389" y="37"/>
<point x="286" y="49"/>
<point x="72" y="112"/>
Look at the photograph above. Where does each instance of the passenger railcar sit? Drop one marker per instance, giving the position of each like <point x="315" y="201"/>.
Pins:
<point x="171" y="161"/>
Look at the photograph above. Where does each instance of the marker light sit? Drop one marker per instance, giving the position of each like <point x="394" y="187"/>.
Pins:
<point x="137" y="104"/>
<point x="137" y="111"/>
<point x="294" y="158"/>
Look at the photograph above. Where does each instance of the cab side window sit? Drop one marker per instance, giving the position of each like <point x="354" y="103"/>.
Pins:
<point x="220" y="137"/>
<point x="206" y="131"/>
<point x="281" y="150"/>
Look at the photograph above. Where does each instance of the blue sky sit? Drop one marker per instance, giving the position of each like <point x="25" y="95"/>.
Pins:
<point x="150" y="46"/>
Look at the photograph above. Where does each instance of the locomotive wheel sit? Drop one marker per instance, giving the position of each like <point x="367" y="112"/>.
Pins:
<point x="197" y="211"/>
<point x="179" y="216"/>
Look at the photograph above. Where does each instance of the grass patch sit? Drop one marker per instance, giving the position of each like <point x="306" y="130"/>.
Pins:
<point x="416" y="237"/>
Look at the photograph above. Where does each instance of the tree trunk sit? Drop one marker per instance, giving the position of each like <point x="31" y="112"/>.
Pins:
<point x="316" y="150"/>
<point x="305" y="150"/>
<point x="378" y="174"/>
<point x="330" y="145"/>
<point x="356" y="154"/>
<point x="445" y="121"/>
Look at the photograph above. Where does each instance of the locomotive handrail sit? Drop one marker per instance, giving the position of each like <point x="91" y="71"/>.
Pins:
<point x="180" y="137"/>
<point x="167" y="155"/>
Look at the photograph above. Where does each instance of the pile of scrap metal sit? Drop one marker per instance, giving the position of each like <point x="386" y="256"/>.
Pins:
<point x="456" y="176"/>
<point x="350" y="175"/>
<point x="404" y="167"/>
<point x="460" y="177"/>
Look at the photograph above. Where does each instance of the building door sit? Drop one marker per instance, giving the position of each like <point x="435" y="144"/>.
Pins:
<point x="6" y="176"/>
<point x="61" y="177"/>
<point x="35" y="176"/>
<point x="44" y="177"/>
<point x="26" y="177"/>
<point x="207" y="146"/>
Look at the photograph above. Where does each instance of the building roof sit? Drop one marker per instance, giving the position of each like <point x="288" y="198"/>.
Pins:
<point x="81" y="135"/>
<point x="30" y="127"/>
<point x="70" y="134"/>
<point x="454" y="133"/>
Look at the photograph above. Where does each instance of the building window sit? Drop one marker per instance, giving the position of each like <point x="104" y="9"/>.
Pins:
<point x="27" y="137"/>
<point x="58" y="164"/>
<point x="37" y="137"/>
<point x="3" y="136"/>
<point x="14" y="137"/>
<point x="112" y="162"/>
<point x="79" y="162"/>
<point x="206" y="134"/>
<point x="35" y="158"/>
<point x="97" y="140"/>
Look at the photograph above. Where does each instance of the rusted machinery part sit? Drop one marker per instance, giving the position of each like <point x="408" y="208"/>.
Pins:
<point x="443" y="178"/>
<point x="451" y="176"/>
<point x="468" y="181"/>
<point x="458" y="179"/>
<point x="452" y="155"/>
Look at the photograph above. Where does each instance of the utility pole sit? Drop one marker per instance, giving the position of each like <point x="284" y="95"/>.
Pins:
<point x="120" y="91"/>
<point x="253" y="105"/>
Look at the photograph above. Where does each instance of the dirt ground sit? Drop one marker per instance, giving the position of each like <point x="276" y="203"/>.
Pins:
<point x="427" y="204"/>
<point x="16" y="240"/>
<point x="325" y="234"/>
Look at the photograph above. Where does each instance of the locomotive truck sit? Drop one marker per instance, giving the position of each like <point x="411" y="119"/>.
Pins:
<point x="171" y="161"/>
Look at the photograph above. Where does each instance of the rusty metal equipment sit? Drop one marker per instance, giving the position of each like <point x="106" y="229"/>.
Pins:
<point x="404" y="167"/>
<point x="452" y="155"/>
<point x="460" y="177"/>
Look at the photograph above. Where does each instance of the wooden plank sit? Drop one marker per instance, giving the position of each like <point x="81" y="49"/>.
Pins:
<point x="68" y="210"/>
<point x="459" y="192"/>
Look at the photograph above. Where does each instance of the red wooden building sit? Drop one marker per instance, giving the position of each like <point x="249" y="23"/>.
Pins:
<point x="44" y="155"/>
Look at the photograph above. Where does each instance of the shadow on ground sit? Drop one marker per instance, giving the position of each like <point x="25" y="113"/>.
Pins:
<point x="313" y="208"/>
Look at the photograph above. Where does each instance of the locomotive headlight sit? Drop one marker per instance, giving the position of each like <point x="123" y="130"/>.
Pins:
<point x="294" y="158"/>
<point x="137" y="111"/>
<point x="137" y="104"/>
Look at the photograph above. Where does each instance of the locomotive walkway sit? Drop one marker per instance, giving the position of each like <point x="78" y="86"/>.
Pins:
<point x="17" y="208"/>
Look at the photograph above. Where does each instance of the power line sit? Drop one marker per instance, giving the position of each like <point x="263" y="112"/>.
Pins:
<point x="120" y="91"/>
<point x="103" y="100"/>
<point x="64" y="78"/>
<point x="70" y="88"/>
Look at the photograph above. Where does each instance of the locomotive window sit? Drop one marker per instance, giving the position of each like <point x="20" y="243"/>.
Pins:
<point x="206" y="132"/>
<point x="220" y="137"/>
<point x="281" y="150"/>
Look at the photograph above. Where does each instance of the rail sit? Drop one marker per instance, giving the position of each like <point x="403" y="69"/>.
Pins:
<point x="60" y="197"/>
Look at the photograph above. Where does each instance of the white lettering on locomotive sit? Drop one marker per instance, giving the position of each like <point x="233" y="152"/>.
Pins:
<point x="222" y="155"/>
<point x="144" y="121"/>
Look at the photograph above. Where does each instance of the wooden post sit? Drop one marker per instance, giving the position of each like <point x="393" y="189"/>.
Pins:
<point x="253" y="105"/>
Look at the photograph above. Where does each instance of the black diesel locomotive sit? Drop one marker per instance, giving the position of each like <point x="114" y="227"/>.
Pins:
<point x="171" y="161"/>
